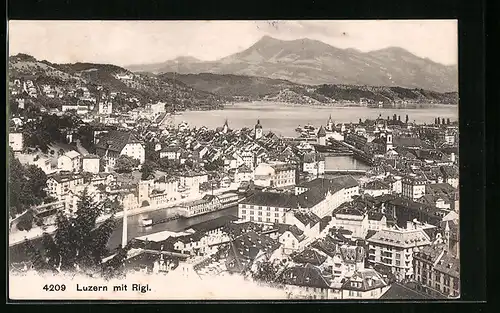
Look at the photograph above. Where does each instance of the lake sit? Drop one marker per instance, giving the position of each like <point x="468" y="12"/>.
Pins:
<point x="282" y="119"/>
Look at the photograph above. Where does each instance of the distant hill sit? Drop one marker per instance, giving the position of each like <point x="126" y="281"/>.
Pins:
<point x="145" y="87"/>
<point x="261" y="88"/>
<point x="313" y="62"/>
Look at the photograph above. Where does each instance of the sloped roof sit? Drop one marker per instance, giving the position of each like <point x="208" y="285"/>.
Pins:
<point x="407" y="142"/>
<point x="280" y="200"/>
<point x="296" y="232"/>
<point x="331" y="184"/>
<point x="308" y="218"/>
<point x="72" y="154"/>
<point x="450" y="171"/>
<point x="401" y="238"/>
<point x="245" y="248"/>
<point x="376" y="185"/>
<point x="399" y="291"/>
<point x="306" y="276"/>
<point x="352" y="254"/>
<point x="309" y="256"/>
<point x="213" y="224"/>
<point x="243" y="168"/>
<point x="115" y="140"/>
<point x="321" y="132"/>
<point x="369" y="279"/>
<point x="326" y="245"/>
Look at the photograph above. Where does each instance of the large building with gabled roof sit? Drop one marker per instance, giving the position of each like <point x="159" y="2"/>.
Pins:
<point x="111" y="144"/>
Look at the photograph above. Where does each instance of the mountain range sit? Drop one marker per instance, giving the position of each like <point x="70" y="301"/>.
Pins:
<point x="312" y="62"/>
<point x="144" y="87"/>
<point x="208" y="90"/>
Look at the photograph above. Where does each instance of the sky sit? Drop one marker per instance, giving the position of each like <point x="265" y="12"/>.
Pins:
<point x="142" y="42"/>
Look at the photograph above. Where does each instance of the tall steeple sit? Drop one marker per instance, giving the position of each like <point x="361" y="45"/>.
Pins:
<point x="329" y="124"/>
<point x="447" y="235"/>
<point x="258" y="130"/>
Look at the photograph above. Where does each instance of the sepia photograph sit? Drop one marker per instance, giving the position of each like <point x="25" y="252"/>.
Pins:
<point x="233" y="160"/>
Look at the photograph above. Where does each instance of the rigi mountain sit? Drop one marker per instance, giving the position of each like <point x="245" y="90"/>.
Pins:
<point x="312" y="62"/>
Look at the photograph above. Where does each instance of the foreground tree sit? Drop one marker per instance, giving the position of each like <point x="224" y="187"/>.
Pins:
<point x="126" y="164"/>
<point x="265" y="272"/>
<point x="27" y="185"/>
<point x="147" y="170"/>
<point x="79" y="244"/>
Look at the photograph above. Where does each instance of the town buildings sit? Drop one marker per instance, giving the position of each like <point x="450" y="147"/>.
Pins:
<point x="393" y="248"/>
<point x="91" y="163"/>
<point x="71" y="161"/>
<point x="357" y="221"/>
<point x="110" y="145"/>
<point x="275" y="174"/>
<point x="437" y="271"/>
<point x="16" y="141"/>
<point x="412" y="188"/>
<point x="62" y="186"/>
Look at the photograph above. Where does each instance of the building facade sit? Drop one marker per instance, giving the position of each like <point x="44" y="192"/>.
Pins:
<point x="412" y="188"/>
<point x="394" y="248"/>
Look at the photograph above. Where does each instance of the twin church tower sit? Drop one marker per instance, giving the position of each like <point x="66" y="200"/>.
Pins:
<point x="257" y="132"/>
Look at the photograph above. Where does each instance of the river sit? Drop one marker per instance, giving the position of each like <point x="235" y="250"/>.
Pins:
<point x="17" y="253"/>
<point x="282" y="119"/>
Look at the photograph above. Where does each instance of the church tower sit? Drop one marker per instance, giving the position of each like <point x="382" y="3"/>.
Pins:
<point x="258" y="130"/>
<point x="225" y="128"/>
<point x="447" y="235"/>
<point x="388" y="141"/>
<point x="329" y="125"/>
<point x="322" y="136"/>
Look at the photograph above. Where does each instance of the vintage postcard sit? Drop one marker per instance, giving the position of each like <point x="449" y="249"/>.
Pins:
<point x="233" y="160"/>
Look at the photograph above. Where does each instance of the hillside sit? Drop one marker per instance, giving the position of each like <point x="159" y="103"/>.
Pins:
<point x="143" y="87"/>
<point x="261" y="88"/>
<point x="313" y="62"/>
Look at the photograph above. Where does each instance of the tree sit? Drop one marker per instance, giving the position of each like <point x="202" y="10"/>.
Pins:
<point x="435" y="121"/>
<point x="394" y="117"/>
<point x="266" y="272"/>
<point x="145" y="203"/>
<point x="438" y="121"/>
<point x="442" y="121"/>
<point x="112" y="205"/>
<point x="126" y="164"/>
<point x="78" y="244"/>
<point x="399" y="118"/>
<point x="26" y="186"/>
<point x="448" y="121"/>
<point x="406" y="119"/>
<point x="26" y="221"/>
<point x="147" y="170"/>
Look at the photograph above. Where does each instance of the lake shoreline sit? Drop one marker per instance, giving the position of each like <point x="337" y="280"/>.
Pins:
<point x="413" y="106"/>
<point x="283" y="118"/>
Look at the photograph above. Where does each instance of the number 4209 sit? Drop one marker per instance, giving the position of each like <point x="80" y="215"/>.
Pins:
<point x="56" y="287"/>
